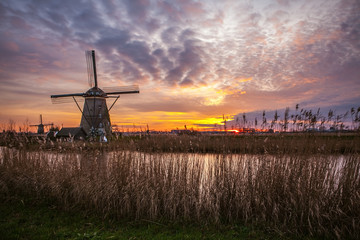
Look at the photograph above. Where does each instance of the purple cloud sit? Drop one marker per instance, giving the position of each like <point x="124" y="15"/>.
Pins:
<point x="291" y="52"/>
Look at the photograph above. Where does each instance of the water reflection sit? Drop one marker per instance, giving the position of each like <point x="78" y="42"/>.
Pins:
<point x="202" y="167"/>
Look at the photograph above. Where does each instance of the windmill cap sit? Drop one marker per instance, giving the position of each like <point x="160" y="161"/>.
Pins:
<point x="95" y="92"/>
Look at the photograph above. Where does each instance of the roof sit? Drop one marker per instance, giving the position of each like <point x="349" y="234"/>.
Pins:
<point x="67" y="132"/>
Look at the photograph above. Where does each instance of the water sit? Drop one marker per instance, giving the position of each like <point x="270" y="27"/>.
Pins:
<point x="204" y="166"/>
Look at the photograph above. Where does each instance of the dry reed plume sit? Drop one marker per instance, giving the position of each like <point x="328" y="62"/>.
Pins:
<point x="309" y="194"/>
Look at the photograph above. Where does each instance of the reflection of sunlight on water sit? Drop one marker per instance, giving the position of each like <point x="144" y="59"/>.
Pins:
<point x="53" y="159"/>
<point x="207" y="169"/>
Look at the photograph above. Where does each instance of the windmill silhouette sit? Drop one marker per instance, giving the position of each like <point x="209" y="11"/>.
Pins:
<point x="41" y="126"/>
<point x="95" y="118"/>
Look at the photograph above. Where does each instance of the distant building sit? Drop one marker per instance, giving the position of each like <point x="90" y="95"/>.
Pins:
<point x="76" y="133"/>
<point x="180" y="132"/>
<point x="247" y="130"/>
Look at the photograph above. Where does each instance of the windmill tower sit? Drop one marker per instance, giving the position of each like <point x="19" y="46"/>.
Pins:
<point x="95" y="119"/>
<point x="41" y="126"/>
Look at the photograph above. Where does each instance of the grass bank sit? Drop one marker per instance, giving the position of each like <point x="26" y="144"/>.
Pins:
<point x="23" y="218"/>
<point x="284" y="143"/>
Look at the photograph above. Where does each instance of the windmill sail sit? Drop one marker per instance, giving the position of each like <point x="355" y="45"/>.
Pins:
<point x="91" y="68"/>
<point x="66" y="99"/>
<point x="68" y="95"/>
<point x="121" y="90"/>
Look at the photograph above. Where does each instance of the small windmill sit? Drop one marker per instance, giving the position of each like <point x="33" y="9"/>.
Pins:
<point x="95" y="118"/>
<point x="41" y="126"/>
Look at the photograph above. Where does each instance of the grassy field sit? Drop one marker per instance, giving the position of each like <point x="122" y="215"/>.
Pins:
<point x="285" y="185"/>
<point x="24" y="219"/>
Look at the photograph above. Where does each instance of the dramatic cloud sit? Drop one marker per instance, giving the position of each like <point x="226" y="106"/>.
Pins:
<point x="198" y="58"/>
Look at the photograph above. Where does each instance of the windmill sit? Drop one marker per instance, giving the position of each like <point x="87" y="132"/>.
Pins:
<point x="95" y="119"/>
<point x="41" y="126"/>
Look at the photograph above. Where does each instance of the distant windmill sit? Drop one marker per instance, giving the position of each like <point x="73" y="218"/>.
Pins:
<point x="41" y="126"/>
<point x="95" y="118"/>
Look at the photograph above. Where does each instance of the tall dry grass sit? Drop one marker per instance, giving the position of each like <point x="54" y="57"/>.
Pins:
<point x="300" y="194"/>
<point x="248" y="144"/>
<point x="286" y="143"/>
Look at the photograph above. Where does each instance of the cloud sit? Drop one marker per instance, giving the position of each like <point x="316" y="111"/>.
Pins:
<point x="227" y="55"/>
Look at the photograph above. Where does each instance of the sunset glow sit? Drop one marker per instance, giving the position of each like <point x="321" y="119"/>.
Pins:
<point x="194" y="61"/>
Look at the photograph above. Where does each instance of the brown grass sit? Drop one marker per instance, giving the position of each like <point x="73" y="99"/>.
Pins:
<point x="248" y="144"/>
<point x="312" y="194"/>
<point x="287" y="143"/>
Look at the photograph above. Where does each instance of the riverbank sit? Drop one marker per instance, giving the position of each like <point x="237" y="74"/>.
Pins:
<point x="22" y="218"/>
<point x="283" y="143"/>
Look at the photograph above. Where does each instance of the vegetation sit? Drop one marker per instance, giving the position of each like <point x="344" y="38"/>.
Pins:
<point x="302" y="120"/>
<point x="28" y="219"/>
<point x="246" y="144"/>
<point x="304" y="187"/>
<point x="283" y="143"/>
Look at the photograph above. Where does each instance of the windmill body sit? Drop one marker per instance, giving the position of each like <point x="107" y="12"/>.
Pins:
<point x="95" y="119"/>
<point x="40" y="129"/>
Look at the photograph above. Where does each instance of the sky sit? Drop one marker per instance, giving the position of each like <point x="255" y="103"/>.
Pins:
<point x="194" y="61"/>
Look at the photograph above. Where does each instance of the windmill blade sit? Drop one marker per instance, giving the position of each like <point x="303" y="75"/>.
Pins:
<point x="91" y="68"/>
<point x="66" y="99"/>
<point x="68" y="95"/>
<point x="122" y="90"/>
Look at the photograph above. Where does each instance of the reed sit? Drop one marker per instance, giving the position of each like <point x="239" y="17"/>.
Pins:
<point x="284" y="143"/>
<point x="317" y="195"/>
<point x="250" y="144"/>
